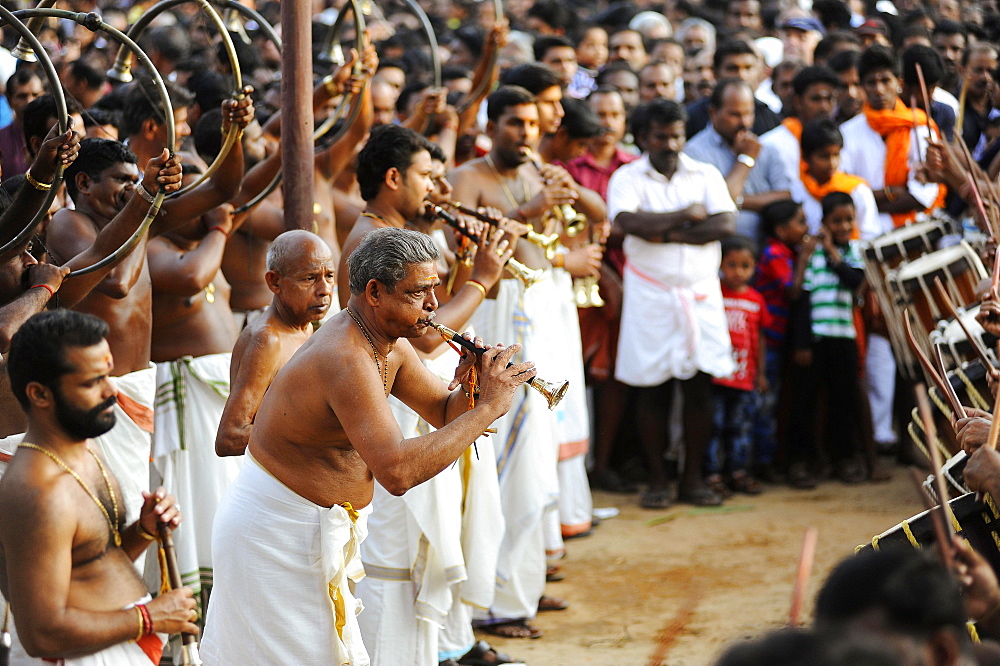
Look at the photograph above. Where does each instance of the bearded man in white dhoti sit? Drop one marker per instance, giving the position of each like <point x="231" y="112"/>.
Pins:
<point x="286" y="537"/>
<point x="673" y="211"/>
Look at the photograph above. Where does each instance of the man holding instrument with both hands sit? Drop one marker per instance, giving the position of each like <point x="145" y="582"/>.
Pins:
<point x="286" y="537"/>
<point x="74" y="593"/>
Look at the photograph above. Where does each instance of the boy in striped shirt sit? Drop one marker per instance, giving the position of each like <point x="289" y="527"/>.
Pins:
<point x="825" y="351"/>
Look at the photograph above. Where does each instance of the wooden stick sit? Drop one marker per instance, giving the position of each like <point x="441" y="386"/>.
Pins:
<point x="960" y="120"/>
<point x="924" y="406"/>
<point x="976" y="343"/>
<point x="991" y="440"/>
<point x="923" y="92"/>
<point x="926" y="364"/>
<point x="956" y="405"/>
<point x="802" y="571"/>
<point x="937" y="519"/>
<point x="189" y="653"/>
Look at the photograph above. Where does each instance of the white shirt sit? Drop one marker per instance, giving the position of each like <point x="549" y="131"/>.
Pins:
<point x="865" y="209"/>
<point x="782" y="141"/>
<point x="864" y="155"/>
<point x="638" y="186"/>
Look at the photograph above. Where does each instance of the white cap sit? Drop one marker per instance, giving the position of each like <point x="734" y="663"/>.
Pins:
<point x="772" y="49"/>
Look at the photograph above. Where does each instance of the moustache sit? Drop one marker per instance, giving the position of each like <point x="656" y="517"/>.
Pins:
<point x="110" y="402"/>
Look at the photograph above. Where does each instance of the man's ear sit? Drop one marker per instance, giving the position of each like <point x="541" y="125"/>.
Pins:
<point x="373" y="292"/>
<point x="272" y="278"/>
<point x="149" y="128"/>
<point x="393" y="179"/>
<point x="83" y="182"/>
<point x="39" y="395"/>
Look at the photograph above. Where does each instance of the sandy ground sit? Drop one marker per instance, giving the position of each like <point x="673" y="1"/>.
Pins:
<point x="732" y="567"/>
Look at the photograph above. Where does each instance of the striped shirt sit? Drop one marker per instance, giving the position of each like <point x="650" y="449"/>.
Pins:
<point x="832" y="302"/>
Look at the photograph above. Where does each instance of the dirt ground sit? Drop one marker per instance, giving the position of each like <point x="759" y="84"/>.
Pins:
<point x="731" y="568"/>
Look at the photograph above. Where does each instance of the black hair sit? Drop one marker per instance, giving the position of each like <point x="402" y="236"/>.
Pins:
<point x="41" y="114"/>
<point x="818" y="134"/>
<point x="451" y="73"/>
<point x="736" y="243"/>
<point x="172" y="41"/>
<point x="914" y="31"/>
<point x="844" y="61"/>
<point x="97" y="115"/>
<point x="209" y="88"/>
<point x="806" y="647"/>
<point x="94" y="157"/>
<point x="916" y="15"/>
<point x="207" y="134"/>
<point x="580" y="121"/>
<point x="20" y="76"/>
<point x="437" y="152"/>
<point x="543" y="44"/>
<point x="553" y="13"/>
<point x="719" y="92"/>
<point x="391" y="63"/>
<point x="948" y="27"/>
<point x="409" y="90"/>
<point x="976" y="49"/>
<point x="82" y="70"/>
<point x="729" y="48"/>
<point x="833" y="14"/>
<point x="504" y="97"/>
<point x="389" y="146"/>
<point x="835" y="200"/>
<point x="916" y="595"/>
<point x="877" y="57"/>
<point x="658" y="112"/>
<point x="930" y="63"/>
<point x="142" y="102"/>
<point x="809" y="76"/>
<point x="532" y="76"/>
<point x="778" y="214"/>
<point x="828" y="44"/>
<point x="38" y="349"/>
<point x="613" y="68"/>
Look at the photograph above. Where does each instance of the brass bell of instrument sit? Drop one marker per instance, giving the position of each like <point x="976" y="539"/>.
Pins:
<point x="586" y="293"/>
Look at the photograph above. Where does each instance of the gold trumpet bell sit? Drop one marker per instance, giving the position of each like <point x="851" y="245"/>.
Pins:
<point x="24" y="52"/>
<point x="527" y="276"/>
<point x="586" y="293"/>
<point x="121" y="71"/>
<point x="553" y="392"/>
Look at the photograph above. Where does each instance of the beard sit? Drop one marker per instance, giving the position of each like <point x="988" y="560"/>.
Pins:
<point x="84" y="423"/>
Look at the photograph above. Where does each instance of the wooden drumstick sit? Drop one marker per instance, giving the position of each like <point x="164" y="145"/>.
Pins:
<point x="991" y="440"/>
<point x="977" y="345"/>
<point x="952" y="396"/>
<point x="941" y="545"/>
<point x="806" y="559"/>
<point x="925" y="363"/>
<point x="189" y="649"/>
<point x="924" y="405"/>
<point x="923" y="93"/>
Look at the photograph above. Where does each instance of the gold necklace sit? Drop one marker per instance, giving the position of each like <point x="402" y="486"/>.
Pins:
<point x="107" y="483"/>
<point x="383" y="368"/>
<point x="503" y="184"/>
<point x="373" y="216"/>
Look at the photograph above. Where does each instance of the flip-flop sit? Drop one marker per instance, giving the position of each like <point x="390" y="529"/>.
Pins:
<point x="552" y="604"/>
<point x="512" y="629"/>
<point x="483" y="654"/>
<point x="554" y="574"/>
<point x="655" y="499"/>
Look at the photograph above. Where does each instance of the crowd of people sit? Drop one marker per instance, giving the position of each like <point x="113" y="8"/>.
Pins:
<point x="664" y="205"/>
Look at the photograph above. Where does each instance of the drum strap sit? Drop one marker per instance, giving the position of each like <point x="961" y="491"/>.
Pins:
<point x="974" y="394"/>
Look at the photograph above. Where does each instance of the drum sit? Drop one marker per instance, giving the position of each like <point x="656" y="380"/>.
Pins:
<point x="912" y="284"/>
<point x="972" y="389"/>
<point x="978" y="523"/>
<point x="953" y="473"/>
<point x="956" y="348"/>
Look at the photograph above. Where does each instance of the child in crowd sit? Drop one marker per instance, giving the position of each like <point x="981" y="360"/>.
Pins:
<point x="825" y="350"/>
<point x="735" y="397"/>
<point x="821" y="146"/>
<point x="785" y="226"/>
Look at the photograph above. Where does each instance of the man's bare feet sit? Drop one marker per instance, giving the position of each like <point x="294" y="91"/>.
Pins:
<point x="512" y="629"/>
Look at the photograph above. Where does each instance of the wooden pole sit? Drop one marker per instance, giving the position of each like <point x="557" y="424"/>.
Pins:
<point x="296" y="115"/>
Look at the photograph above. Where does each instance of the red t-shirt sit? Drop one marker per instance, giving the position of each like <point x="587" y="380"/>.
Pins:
<point x="745" y="311"/>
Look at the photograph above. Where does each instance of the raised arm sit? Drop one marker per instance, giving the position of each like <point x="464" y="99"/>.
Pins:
<point x="187" y="273"/>
<point x="334" y="159"/>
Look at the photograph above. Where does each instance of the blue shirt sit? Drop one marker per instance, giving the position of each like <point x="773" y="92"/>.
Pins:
<point x="767" y="175"/>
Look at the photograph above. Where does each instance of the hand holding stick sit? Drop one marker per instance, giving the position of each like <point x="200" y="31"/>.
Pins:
<point x="189" y="650"/>
<point x="924" y="406"/>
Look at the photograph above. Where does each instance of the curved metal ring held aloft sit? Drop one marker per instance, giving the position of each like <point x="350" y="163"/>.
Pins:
<point x="431" y="40"/>
<point x="359" y="46"/>
<point x="93" y="22"/>
<point x="481" y="88"/>
<point x="250" y="15"/>
<point x="122" y="71"/>
<point x="331" y="120"/>
<point x="24" y="50"/>
<point x="55" y="86"/>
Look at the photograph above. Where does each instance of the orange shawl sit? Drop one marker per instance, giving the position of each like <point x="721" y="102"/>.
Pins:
<point x="839" y="182"/>
<point x="793" y="125"/>
<point x="895" y="127"/>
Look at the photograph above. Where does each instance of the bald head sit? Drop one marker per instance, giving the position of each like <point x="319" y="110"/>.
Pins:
<point x="295" y="249"/>
<point x="383" y="102"/>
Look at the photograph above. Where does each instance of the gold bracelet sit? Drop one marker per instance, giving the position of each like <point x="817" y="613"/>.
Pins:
<point x="148" y="536"/>
<point x="477" y="285"/>
<point x="331" y="87"/>
<point x="142" y="624"/>
<point x="41" y="187"/>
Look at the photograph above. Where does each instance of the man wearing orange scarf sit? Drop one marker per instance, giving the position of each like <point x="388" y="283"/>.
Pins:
<point x="814" y="97"/>
<point x="887" y="142"/>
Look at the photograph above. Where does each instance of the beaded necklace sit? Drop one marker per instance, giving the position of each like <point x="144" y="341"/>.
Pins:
<point x="383" y="368"/>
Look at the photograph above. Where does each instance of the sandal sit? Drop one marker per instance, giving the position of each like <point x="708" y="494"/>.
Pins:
<point x="744" y="483"/>
<point x="700" y="497"/>
<point x="512" y="629"/>
<point x="554" y="574"/>
<point x="552" y="604"/>
<point x="718" y="486"/>
<point x="483" y="654"/>
<point x="655" y="499"/>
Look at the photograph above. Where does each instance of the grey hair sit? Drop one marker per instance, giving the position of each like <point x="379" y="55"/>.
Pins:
<point x="689" y="23"/>
<point x="386" y="255"/>
<point x="286" y="248"/>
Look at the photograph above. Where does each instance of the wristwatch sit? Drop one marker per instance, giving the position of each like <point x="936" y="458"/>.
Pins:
<point x="743" y="158"/>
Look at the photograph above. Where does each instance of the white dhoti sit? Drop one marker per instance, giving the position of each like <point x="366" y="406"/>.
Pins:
<point x="526" y="458"/>
<point x="129" y="653"/>
<point x="283" y="565"/>
<point x="190" y="396"/>
<point x="671" y="328"/>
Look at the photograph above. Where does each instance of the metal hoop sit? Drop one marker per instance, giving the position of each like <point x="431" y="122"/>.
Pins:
<point x="467" y="102"/>
<point x="121" y="71"/>
<point x="425" y="23"/>
<point x="55" y="85"/>
<point x="93" y="22"/>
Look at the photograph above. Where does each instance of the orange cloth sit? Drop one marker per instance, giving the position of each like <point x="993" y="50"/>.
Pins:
<point x="793" y="125"/>
<point x="839" y="182"/>
<point x="895" y="126"/>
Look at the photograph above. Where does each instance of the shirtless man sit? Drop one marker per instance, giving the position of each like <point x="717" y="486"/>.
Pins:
<point x="394" y="173"/>
<point x="323" y="433"/>
<point x="300" y="274"/>
<point x="66" y="563"/>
